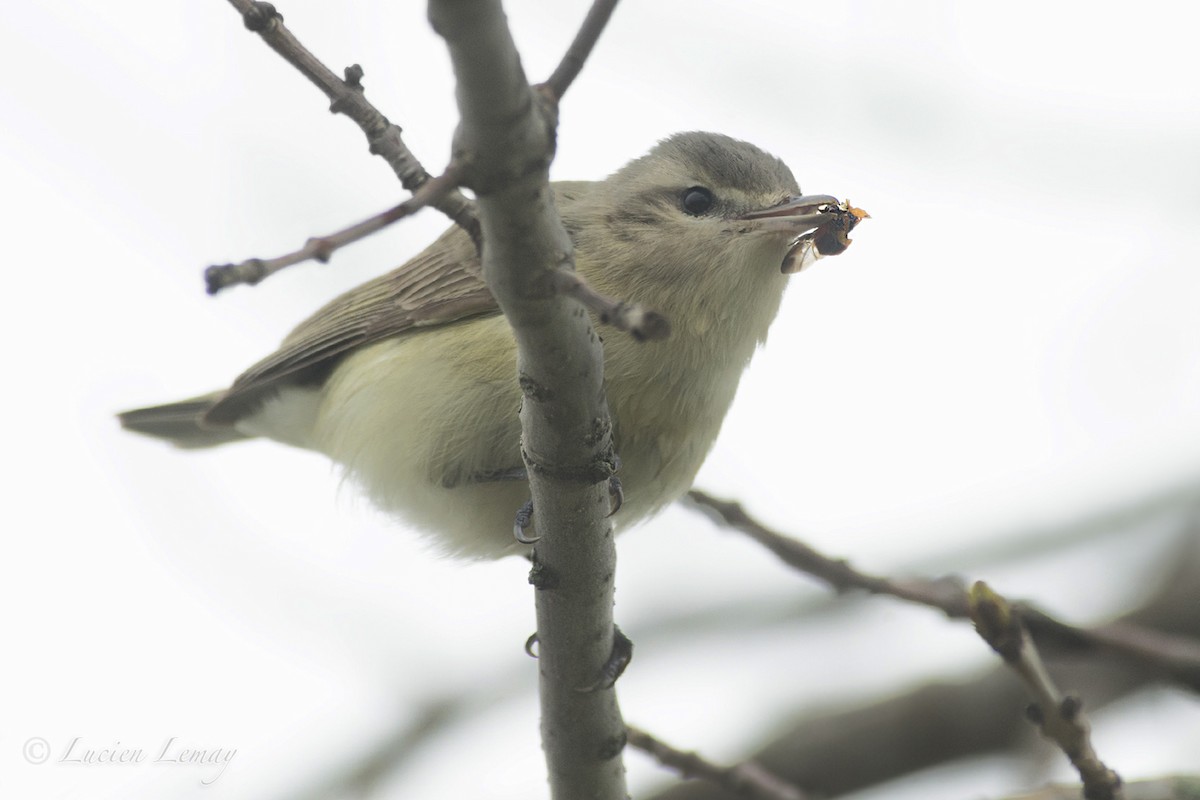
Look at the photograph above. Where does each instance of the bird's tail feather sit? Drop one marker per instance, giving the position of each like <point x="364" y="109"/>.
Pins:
<point x="180" y="423"/>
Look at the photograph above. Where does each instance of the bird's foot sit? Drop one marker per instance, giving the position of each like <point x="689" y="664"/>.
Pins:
<point x="614" y="667"/>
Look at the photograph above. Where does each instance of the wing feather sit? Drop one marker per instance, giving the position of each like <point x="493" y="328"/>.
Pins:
<point x="440" y="285"/>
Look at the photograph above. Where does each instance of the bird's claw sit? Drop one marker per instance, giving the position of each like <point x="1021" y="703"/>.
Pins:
<point x="616" y="495"/>
<point x="618" y="660"/>
<point x="522" y="522"/>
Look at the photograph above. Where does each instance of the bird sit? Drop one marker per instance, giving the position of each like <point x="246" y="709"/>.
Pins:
<point x="409" y="380"/>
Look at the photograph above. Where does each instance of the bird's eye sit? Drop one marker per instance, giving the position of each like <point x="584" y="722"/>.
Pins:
<point x="697" y="200"/>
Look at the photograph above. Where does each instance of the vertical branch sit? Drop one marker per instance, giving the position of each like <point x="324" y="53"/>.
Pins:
<point x="504" y="146"/>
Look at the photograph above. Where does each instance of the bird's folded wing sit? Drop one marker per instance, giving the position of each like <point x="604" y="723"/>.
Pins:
<point x="440" y="285"/>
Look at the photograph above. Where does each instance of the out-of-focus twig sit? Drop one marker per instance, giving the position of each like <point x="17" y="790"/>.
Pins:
<point x="1175" y="787"/>
<point x="848" y="747"/>
<point x="1060" y="718"/>
<point x="1113" y="517"/>
<point x="748" y="779"/>
<point x="364" y="774"/>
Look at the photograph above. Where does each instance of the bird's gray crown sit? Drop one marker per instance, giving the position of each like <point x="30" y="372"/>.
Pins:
<point x="721" y="161"/>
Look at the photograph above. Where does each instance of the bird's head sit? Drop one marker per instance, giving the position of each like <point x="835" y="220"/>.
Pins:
<point x="704" y="220"/>
<point x="708" y="193"/>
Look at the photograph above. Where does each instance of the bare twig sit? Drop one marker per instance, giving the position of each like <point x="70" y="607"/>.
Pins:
<point x="1175" y="657"/>
<point x="641" y="323"/>
<point x="1060" y="718"/>
<point x="322" y="248"/>
<point x="572" y="61"/>
<point x="347" y="97"/>
<point x="843" y="749"/>
<point x="747" y="779"/>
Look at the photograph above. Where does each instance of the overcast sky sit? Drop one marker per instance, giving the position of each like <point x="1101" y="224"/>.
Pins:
<point x="1011" y="342"/>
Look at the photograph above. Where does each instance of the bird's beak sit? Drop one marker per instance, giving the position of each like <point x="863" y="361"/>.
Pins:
<point x="817" y="224"/>
<point x="796" y="215"/>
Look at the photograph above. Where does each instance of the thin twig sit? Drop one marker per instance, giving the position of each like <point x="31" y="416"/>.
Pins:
<point x="322" y="248"/>
<point x="572" y="61"/>
<point x="1060" y="718"/>
<point x="347" y="97"/>
<point x="641" y="323"/>
<point x="748" y="779"/>
<point x="1175" y="657"/>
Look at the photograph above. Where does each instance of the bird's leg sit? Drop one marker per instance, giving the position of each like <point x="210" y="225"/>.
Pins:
<point x="500" y="475"/>
<point x="524" y="517"/>
<point x="616" y="498"/>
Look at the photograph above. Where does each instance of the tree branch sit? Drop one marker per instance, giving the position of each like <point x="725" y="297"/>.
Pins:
<point x="1175" y="787"/>
<point x="1176" y="657"/>
<point x="505" y="143"/>
<point x="383" y="137"/>
<point x="322" y="248"/>
<point x="840" y="750"/>
<point x="572" y="61"/>
<point x="347" y="97"/>
<point x="748" y="779"/>
<point x="632" y="318"/>
<point x="1059" y="718"/>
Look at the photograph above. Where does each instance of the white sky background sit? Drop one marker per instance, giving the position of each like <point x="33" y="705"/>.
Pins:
<point x="1012" y="341"/>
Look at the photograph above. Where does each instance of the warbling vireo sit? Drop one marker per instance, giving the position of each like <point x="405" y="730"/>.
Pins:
<point x="409" y="381"/>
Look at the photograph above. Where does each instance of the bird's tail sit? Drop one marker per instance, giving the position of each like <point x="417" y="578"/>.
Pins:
<point x="180" y="423"/>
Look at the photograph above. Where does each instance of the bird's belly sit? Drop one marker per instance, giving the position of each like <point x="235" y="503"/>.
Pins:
<point x="658" y="465"/>
<point x="429" y="425"/>
<point x="417" y="420"/>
